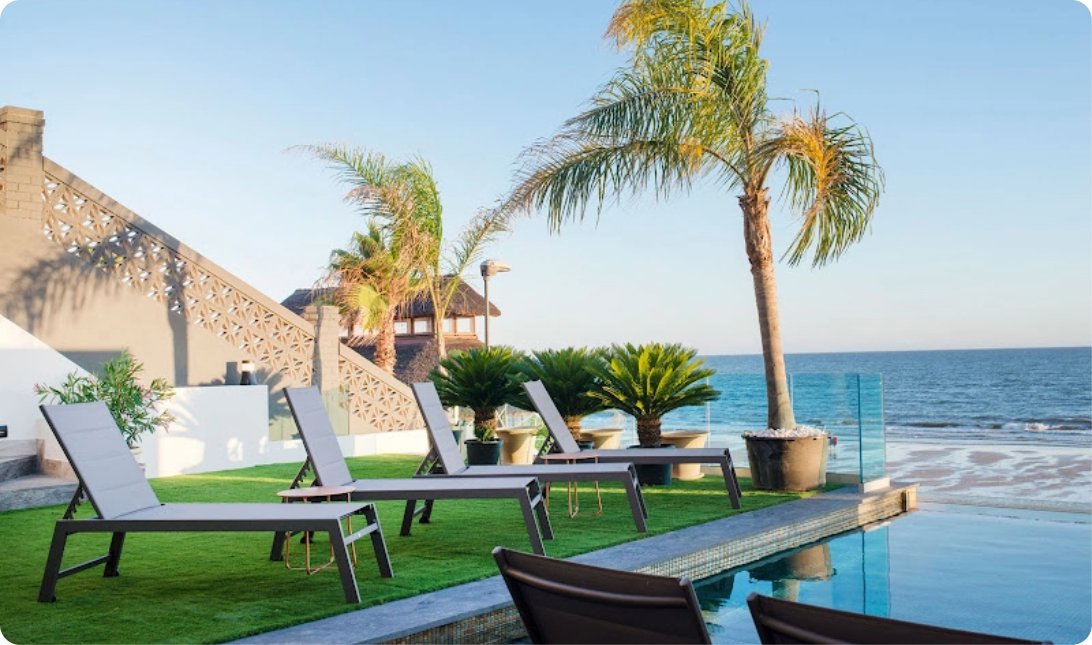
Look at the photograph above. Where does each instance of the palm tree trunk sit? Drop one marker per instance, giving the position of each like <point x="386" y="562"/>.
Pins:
<point x="485" y="424"/>
<point x="438" y="328"/>
<point x="385" y="356"/>
<point x="648" y="432"/>
<point x="573" y="424"/>
<point x="756" y="233"/>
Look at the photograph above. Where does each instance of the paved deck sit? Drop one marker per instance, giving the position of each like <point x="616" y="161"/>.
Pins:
<point x="477" y="612"/>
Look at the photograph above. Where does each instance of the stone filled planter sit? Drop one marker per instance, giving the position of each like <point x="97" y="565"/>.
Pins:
<point x="654" y="474"/>
<point x="482" y="453"/>
<point x="788" y="463"/>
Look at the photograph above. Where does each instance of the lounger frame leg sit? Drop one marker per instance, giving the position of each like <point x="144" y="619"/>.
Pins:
<point x="532" y="526"/>
<point x="636" y="502"/>
<point x="344" y="565"/>
<point x="407" y="517"/>
<point x="730" y="481"/>
<point x="379" y="545"/>
<point x="53" y="565"/>
<point x="276" y="554"/>
<point x="536" y="499"/>
<point x="112" y="561"/>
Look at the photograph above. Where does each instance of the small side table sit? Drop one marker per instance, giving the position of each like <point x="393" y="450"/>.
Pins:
<point x="314" y="494"/>
<point x="573" y="491"/>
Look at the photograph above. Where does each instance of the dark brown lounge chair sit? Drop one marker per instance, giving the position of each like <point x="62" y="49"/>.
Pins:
<point x="785" y="621"/>
<point x="567" y="602"/>
<point x="125" y="503"/>
<point x="325" y="457"/>
<point x="562" y="444"/>
<point x="444" y="458"/>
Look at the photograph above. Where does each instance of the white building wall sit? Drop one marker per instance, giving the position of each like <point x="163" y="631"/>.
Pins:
<point x="218" y="427"/>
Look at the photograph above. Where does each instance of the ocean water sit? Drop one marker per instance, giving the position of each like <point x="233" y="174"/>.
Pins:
<point x="1039" y="396"/>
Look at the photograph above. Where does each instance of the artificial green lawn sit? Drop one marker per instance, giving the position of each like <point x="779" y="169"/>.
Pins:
<point x="213" y="587"/>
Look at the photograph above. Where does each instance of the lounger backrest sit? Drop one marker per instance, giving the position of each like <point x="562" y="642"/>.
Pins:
<point x="439" y="430"/>
<point x="100" y="457"/>
<point x="546" y="409"/>
<point x="785" y="621"/>
<point x="318" y="435"/>
<point x="568" y="602"/>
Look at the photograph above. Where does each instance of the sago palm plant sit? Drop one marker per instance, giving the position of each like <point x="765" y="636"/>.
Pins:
<point x="568" y="376"/>
<point x="480" y="379"/>
<point x="692" y="105"/>
<point x="648" y="381"/>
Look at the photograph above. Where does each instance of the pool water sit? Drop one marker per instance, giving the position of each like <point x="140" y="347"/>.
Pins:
<point x="1025" y="576"/>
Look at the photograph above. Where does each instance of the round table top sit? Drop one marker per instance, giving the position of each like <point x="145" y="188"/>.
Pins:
<point x="315" y="491"/>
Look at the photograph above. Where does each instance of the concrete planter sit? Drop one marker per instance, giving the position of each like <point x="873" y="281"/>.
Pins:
<point x="796" y="463"/>
<point x="517" y="445"/>
<point x="683" y="439"/>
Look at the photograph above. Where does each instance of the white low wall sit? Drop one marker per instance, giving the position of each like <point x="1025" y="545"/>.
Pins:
<point x="227" y="427"/>
<point x="218" y="427"/>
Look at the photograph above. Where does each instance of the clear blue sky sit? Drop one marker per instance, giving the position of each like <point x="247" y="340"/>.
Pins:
<point x="981" y="112"/>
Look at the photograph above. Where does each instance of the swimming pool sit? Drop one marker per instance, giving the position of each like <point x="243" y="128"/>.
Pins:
<point x="1028" y="576"/>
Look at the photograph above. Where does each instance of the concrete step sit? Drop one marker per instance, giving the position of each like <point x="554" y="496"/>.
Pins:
<point x="33" y="491"/>
<point x="16" y="467"/>
<point x="18" y="447"/>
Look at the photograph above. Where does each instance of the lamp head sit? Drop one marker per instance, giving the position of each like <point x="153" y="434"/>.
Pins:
<point x="493" y="267"/>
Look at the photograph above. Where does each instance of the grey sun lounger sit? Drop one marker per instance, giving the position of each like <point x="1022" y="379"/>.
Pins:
<point x="126" y="503"/>
<point x="561" y="441"/>
<point x="324" y="456"/>
<point x="568" y="602"/>
<point x="444" y="459"/>
<point x="785" y="621"/>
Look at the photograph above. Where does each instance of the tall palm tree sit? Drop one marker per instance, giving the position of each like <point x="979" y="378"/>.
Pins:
<point x="385" y="267"/>
<point x="692" y="104"/>
<point x="446" y="270"/>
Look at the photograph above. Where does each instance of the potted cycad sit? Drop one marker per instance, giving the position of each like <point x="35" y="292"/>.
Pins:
<point x="568" y="376"/>
<point x="483" y="380"/>
<point x="647" y="382"/>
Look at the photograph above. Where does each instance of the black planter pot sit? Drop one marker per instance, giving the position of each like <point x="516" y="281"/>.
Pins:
<point x="654" y="474"/>
<point x="797" y="463"/>
<point x="482" y="453"/>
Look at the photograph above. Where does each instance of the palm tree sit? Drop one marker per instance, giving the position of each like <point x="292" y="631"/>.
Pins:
<point x="445" y="272"/>
<point x="367" y="279"/>
<point x="568" y="377"/>
<point x="692" y="104"/>
<point x="648" y="381"/>
<point x="480" y="379"/>
<point x="385" y="267"/>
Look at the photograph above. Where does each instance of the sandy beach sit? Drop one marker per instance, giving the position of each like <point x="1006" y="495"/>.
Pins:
<point x="1024" y="476"/>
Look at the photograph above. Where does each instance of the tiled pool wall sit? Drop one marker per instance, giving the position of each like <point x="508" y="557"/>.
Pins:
<point x="504" y="625"/>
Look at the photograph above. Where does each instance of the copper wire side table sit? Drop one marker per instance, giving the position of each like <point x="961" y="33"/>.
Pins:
<point x="573" y="490"/>
<point x="314" y="494"/>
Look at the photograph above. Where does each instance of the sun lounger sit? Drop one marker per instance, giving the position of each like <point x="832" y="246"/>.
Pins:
<point x="567" y="602"/>
<point x="562" y="444"/>
<point x="126" y="503"/>
<point x="785" y="621"/>
<point x="444" y="458"/>
<point x="324" y="456"/>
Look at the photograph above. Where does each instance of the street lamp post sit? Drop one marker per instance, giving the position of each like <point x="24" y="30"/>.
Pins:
<point x="490" y="268"/>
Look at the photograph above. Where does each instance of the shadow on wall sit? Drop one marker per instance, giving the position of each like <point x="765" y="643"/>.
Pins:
<point x="49" y="295"/>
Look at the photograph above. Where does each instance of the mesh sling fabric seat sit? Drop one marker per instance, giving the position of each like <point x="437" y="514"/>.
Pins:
<point x="561" y="441"/>
<point x="568" y="602"/>
<point x="785" y="621"/>
<point x="444" y="458"/>
<point x="125" y="503"/>
<point x="324" y="456"/>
